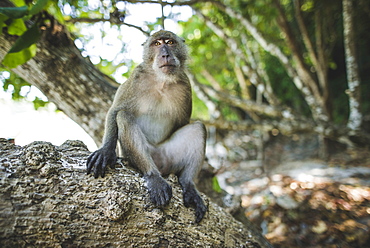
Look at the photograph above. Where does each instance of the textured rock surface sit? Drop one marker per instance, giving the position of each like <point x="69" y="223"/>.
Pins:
<point x="47" y="200"/>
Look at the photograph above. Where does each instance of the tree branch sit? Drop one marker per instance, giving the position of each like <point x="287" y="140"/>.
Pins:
<point x="302" y="70"/>
<point x="319" y="62"/>
<point x="235" y="48"/>
<point x="246" y="105"/>
<point x="213" y="108"/>
<point x="254" y="59"/>
<point x="176" y="3"/>
<point x="290" y="126"/>
<point x="67" y="79"/>
<point x="111" y="20"/>
<point x="47" y="200"/>
<point x="315" y="104"/>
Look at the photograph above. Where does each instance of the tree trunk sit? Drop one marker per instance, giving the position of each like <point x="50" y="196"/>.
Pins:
<point x="47" y="200"/>
<point x="85" y="94"/>
<point x="314" y="103"/>
<point x="353" y="77"/>
<point x="67" y="79"/>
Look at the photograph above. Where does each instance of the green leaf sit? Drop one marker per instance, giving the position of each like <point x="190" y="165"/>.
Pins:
<point x="37" y="7"/>
<point x="14" y="12"/>
<point x="17" y="27"/>
<point x="39" y="103"/>
<point x="55" y="11"/>
<point x="215" y="185"/>
<point x="31" y="36"/>
<point x="3" y="18"/>
<point x="18" y="2"/>
<point x="13" y="60"/>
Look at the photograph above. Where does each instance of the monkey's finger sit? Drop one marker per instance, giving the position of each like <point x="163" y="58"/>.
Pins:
<point x="102" y="171"/>
<point x="104" y="166"/>
<point x="97" y="167"/>
<point x="200" y="211"/>
<point x="161" y="199"/>
<point x="153" y="199"/>
<point x="169" y="194"/>
<point x="166" y="195"/>
<point x="188" y="199"/>
<point x="90" y="162"/>
<point x="112" y="165"/>
<point x="161" y="196"/>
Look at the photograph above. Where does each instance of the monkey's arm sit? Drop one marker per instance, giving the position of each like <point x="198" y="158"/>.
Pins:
<point x="106" y="155"/>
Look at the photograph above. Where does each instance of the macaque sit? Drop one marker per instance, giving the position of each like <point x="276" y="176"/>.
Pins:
<point x="150" y="117"/>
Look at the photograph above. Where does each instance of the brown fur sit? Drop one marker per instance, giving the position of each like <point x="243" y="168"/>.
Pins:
<point x="150" y="118"/>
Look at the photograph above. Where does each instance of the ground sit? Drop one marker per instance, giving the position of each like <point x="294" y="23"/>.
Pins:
<point x="308" y="203"/>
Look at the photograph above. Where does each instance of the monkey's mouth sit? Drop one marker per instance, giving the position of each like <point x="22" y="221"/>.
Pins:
<point x="168" y="68"/>
<point x="168" y="65"/>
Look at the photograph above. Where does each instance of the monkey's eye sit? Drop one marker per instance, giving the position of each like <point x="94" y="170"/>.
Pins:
<point x="157" y="43"/>
<point x="170" y="42"/>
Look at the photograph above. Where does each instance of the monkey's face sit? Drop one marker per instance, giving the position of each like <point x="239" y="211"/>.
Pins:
<point x="165" y="59"/>
<point x="165" y="52"/>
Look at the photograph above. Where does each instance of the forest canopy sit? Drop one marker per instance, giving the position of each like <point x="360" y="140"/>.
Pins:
<point x="290" y="66"/>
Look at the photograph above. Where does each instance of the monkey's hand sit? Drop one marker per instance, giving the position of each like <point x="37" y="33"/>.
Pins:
<point x="160" y="191"/>
<point x="98" y="161"/>
<point x="193" y="199"/>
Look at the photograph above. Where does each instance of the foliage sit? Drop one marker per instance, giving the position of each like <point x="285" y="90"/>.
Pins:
<point x="13" y="18"/>
<point x="16" y="19"/>
<point x="324" y="32"/>
<point x="20" y="88"/>
<point x="216" y="185"/>
<point x="226" y="54"/>
<point x="283" y="87"/>
<point x="17" y="83"/>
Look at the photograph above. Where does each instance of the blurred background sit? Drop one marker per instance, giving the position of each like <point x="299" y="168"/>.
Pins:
<point x="283" y="87"/>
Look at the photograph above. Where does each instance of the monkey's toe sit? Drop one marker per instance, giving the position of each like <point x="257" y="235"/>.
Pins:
<point x="193" y="199"/>
<point x="200" y="211"/>
<point x="98" y="161"/>
<point x="161" y="197"/>
<point x="160" y="191"/>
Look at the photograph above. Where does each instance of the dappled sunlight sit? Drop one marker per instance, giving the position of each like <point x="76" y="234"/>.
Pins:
<point x="294" y="213"/>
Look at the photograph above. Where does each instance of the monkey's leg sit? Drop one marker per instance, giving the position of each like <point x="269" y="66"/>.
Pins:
<point x="134" y="145"/>
<point x="183" y="154"/>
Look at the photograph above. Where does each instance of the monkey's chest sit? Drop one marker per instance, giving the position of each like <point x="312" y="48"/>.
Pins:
<point x="168" y="102"/>
<point x="155" y="129"/>
<point x="157" y="118"/>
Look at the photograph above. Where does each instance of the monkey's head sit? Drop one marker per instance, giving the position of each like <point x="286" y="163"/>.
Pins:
<point x="165" y="52"/>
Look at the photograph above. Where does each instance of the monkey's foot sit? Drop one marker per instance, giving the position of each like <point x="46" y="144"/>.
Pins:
<point x="192" y="198"/>
<point x="160" y="191"/>
<point x="98" y="161"/>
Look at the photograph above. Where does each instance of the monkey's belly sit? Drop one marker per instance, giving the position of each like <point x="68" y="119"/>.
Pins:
<point x="156" y="129"/>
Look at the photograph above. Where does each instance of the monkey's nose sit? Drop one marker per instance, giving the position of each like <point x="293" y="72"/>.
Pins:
<point x="166" y="58"/>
